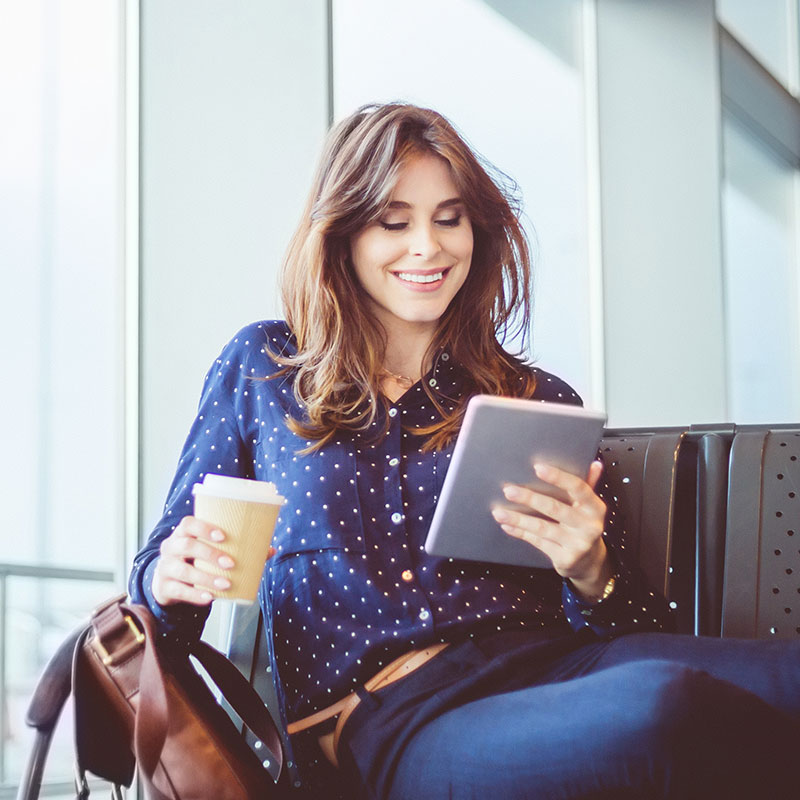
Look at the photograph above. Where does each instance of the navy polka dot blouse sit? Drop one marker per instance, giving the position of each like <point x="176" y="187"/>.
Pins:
<point x="351" y="587"/>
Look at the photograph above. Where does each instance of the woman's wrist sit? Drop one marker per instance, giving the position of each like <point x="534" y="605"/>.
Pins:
<point x="599" y="584"/>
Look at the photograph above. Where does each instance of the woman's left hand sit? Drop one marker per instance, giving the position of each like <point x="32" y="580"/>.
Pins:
<point x="572" y="534"/>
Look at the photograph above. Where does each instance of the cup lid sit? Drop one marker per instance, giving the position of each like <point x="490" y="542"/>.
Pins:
<point x="239" y="489"/>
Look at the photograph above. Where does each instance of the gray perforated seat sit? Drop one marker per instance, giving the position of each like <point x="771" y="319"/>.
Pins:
<point x="761" y="597"/>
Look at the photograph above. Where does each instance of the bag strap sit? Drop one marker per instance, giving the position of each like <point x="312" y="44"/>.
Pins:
<point x="243" y="698"/>
<point x="51" y="692"/>
<point x="53" y="687"/>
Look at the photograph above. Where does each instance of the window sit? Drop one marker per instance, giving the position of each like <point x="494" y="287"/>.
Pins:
<point x="769" y="29"/>
<point x="761" y="280"/>
<point x="60" y="222"/>
<point x="761" y="216"/>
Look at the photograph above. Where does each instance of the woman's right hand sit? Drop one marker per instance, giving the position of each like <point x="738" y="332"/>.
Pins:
<point x="176" y="579"/>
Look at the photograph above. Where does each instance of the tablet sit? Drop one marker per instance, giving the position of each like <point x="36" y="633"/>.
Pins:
<point x="500" y="440"/>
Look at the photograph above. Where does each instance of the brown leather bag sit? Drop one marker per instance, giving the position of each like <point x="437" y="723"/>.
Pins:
<point x="137" y="704"/>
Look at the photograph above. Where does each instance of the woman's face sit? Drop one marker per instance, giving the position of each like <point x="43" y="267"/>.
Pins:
<point x="413" y="260"/>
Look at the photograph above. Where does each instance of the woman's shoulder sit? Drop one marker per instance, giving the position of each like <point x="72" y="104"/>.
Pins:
<point x="272" y="333"/>
<point x="250" y="353"/>
<point x="553" y="389"/>
<point x="258" y="342"/>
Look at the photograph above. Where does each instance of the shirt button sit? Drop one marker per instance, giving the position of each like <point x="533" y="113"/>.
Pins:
<point x="393" y="462"/>
<point x="407" y="575"/>
<point x="424" y="614"/>
<point x="397" y="517"/>
<point x="445" y="356"/>
<point x="392" y="412"/>
<point x="432" y="383"/>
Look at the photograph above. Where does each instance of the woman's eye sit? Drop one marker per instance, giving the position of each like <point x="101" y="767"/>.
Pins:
<point x="393" y="226"/>
<point x="453" y="222"/>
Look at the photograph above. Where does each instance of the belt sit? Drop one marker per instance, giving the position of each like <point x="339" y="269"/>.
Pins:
<point x="398" y="669"/>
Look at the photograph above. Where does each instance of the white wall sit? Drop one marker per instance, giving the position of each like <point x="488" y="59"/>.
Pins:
<point x="233" y="109"/>
<point x="660" y="173"/>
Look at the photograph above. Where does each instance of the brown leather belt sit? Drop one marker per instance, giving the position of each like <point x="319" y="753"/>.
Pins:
<point x="398" y="669"/>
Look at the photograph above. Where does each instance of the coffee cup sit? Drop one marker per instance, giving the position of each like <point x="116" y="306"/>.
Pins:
<point x="246" y="511"/>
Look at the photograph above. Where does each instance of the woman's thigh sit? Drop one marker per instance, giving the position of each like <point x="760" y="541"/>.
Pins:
<point x="645" y="729"/>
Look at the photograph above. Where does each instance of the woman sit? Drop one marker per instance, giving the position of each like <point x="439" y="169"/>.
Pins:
<point x="408" y="267"/>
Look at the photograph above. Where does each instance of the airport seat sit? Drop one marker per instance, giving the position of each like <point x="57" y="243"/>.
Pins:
<point x="761" y="593"/>
<point x="713" y="444"/>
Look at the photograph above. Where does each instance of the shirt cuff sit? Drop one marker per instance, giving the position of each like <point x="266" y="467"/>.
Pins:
<point x="180" y="623"/>
<point x="601" y="616"/>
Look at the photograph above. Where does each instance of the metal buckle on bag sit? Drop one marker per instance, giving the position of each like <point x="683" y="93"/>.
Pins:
<point x="125" y="650"/>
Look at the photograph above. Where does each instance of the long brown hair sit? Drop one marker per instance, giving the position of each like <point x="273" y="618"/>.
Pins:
<point x="340" y="344"/>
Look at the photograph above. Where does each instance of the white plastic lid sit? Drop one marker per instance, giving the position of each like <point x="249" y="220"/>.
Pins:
<point x="238" y="489"/>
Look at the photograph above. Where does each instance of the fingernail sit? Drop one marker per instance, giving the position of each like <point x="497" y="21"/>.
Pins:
<point x="217" y="536"/>
<point x="222" y="583"/>
<point x="226" y="562"/>
<point x="542" y="470"/>
<point x="512" y="492"/>
<point x="510" y="530"/>
<point x="500" y="515"/>
<point x="206" y="597"/>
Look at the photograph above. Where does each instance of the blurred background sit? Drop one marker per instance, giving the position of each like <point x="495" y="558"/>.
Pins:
<point x="154" y="157"/>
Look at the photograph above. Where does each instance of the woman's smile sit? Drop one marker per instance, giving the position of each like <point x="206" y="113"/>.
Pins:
<point x="421" y="280"/>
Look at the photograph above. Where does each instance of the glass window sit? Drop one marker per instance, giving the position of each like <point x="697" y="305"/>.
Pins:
<point x="761" y="280"/>
<point x="768" y="28"/>
<point x="38" y="614"/>
<point x="510" y="76"/>
<point x="61" y="321"/>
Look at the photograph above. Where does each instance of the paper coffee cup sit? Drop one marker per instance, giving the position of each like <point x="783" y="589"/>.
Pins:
<point x="246" y="511"/>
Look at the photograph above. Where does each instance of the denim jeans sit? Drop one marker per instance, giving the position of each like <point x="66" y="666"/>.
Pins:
<point x="638" y="716"/>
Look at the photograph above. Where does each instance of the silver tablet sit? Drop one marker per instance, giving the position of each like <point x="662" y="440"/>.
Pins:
<point x="500" y="440"/>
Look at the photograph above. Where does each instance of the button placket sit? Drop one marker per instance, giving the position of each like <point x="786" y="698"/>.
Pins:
<point x="408" y="580"/>
<point x="394" y="492"/>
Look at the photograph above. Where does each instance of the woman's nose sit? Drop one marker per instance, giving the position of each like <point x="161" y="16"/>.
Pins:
<point x="424" y="242"/>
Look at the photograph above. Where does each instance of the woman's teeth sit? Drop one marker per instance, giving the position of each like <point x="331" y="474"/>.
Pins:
<point x="408" y="276"/>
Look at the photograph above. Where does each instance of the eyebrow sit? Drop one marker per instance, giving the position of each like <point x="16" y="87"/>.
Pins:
<point x="453" y="201"/>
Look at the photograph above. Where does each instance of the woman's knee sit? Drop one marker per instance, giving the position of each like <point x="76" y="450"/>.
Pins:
<point x="660" y="700"/>
<point x="690" y="733"/>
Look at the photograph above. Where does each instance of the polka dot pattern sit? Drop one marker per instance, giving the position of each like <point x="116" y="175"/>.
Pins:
<point x="351" y="587"/>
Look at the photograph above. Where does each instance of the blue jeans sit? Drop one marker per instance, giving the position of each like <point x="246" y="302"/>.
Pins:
<point x="639" y="716"/>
